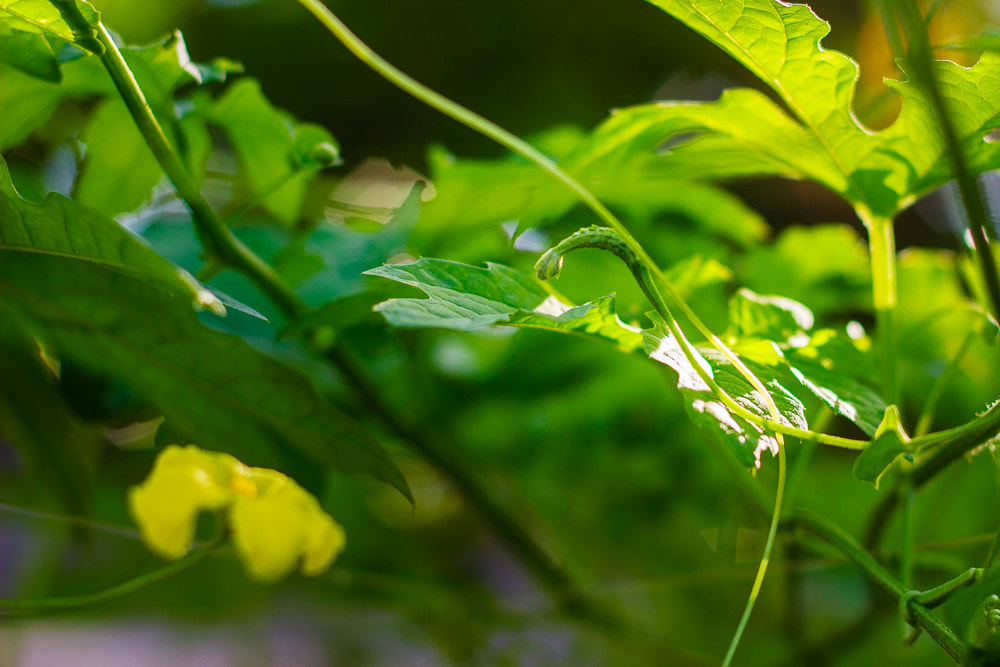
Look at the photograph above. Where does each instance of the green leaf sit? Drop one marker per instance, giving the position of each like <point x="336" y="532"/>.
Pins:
<point x="214" y="387"/>
<point x="827" y="265"/>
<point x="43" y="15"/>
<point x="29" y="52"/>
<point x="61" y="227"/>
<point x="465" y="297"/>
<point x="879" y="172"/>
<point x="776" y="318"/>
<point x="35" y="418"/>
<point x="747" y="440"/>
<point x="270" y="149"/>
<point x="890" y="442"/>
<point x="473" y="193"/>
<point x="834" y="369"/>
<point x="120" y="169"/>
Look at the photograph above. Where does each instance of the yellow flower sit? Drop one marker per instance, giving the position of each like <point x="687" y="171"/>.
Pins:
<point x="276" y="525"/>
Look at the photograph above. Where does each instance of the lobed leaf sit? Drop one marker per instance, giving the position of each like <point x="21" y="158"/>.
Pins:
<point x="878" y="172"/>
<point x="214" y="387"/>
<point x="465" y="297"/>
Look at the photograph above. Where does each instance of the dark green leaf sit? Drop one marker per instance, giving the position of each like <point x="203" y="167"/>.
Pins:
<point x="213" y="386"/>
<point x="61" y="227"/>
<point x="466" y="297"/>
<point x="34" y="417"/>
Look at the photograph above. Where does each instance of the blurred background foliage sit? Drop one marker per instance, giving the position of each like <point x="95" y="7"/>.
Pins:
<point x="589" y="447"/>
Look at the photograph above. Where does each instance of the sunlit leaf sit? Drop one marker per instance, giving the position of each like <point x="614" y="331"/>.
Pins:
<point x="44" y="15"/>
<point x="271" y="150"/>
<point x="747" y="440"/>
<point x="880" y="172"/>
<point x="466" y="297"/>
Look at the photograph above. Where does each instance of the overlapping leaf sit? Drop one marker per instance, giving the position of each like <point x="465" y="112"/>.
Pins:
<point x="465" y="297"/>
<point x="776" y="332"/>
<point x="747" y="440"/>
<point x="214" y="387"/>
<point x="879" y="172"/>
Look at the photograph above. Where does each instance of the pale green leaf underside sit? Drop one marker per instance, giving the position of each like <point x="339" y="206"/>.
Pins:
<point x="881" y="172"/>
<point x="466" y="297"/>
<point x="33" y="15"/>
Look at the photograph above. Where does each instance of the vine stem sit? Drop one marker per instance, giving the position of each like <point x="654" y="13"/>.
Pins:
<point x="30" y="607"/>
<point x="765" y="560"/>
<point x="225" y="248"/>
<point x="491" y="130"/>
<point x="918" y="614"/>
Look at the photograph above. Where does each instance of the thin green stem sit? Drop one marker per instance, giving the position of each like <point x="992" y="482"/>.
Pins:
<point x="921" y="60"/>
<point x="520" y="147"/>
<point x="920" y="615"/>
<point x="31" y="607"/>
<point x="765" y="559"/>
<point x="222" y="245"/>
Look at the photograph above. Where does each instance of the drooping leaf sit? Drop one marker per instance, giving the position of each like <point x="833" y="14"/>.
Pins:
<point x="890" y="442"/>
<point x="214" y="387"/>
<point x="465" y="297"/>
<point x="747" y="440"/>
<point x="60" y="227"/>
